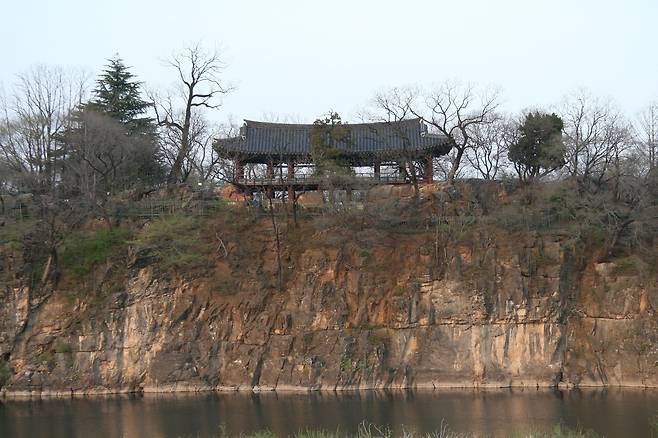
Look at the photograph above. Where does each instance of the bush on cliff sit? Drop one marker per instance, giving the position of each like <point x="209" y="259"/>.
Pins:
<point x="82" y="251"/>
<point x="175" y="241"/>
<point x="5" y="373"/>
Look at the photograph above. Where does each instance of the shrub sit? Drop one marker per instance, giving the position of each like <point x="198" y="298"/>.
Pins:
<point x="13" y="232"/>
<point x="316" y="434"/>
<point x="175" y="241"/>
<point x="47" y="358"/>
<point x="62" y="347"/>
<point x="5" y="373"/>
<point x="82" y="251"/>
<point x="625" y="266"/>
<point x="561" y="431"/>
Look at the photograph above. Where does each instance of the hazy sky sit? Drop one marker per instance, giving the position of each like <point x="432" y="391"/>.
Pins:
<point x="302" y="58"/>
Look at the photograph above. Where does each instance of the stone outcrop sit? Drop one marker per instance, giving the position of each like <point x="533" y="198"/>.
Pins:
<point x="512" y="310"/>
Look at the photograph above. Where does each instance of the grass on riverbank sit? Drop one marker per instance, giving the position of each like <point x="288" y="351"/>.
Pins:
<point x="372" y="431"/>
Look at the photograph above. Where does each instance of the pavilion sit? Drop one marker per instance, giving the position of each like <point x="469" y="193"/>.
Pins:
<point x="279" y="146"/>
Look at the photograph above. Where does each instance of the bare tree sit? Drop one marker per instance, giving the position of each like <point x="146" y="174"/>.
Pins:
<point x="491" y="141"/>
<point x="200" y="88"/>
<point x="647" y="135"/>
<point x="455" y="110"/>
<point x="394" y="107"/>
<point x="105" y="159"/>
<point x="596" y="137"/>
<point x="209" y="165"/>
<point x="33" y="122"/>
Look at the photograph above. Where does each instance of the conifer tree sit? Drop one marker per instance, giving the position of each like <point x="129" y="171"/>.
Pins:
<point x="118" y="95"/>
<point x="111" y="137"/>
<point x="540" y="148"/>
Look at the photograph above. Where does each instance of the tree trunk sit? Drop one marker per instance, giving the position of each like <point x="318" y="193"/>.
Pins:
<point x="176" y="169"/>
<point x="278" y="245"/>
<point x="455" y="166"/>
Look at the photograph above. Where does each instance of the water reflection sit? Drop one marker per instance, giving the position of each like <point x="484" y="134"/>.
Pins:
<point x="613" y="413"/>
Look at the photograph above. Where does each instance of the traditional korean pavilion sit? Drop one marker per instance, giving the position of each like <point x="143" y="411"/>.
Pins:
<point x="281" y="146"/>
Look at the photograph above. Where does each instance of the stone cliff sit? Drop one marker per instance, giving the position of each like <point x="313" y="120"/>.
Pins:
<point x="455" y="305"/>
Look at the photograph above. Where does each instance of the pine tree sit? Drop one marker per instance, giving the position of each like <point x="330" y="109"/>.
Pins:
<point x="112" y="135"/>
<point x="540" y="148"/>
<point x="118" y="95"/>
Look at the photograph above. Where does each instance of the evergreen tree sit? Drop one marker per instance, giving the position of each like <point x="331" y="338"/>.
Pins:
<point x="540" y="148"/>
<point x="118" y="95"/>
<point x="325" y="136"/>
<point x="112" y="136"/>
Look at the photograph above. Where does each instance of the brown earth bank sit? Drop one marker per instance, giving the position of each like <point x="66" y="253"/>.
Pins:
<point x="450" y="290"/>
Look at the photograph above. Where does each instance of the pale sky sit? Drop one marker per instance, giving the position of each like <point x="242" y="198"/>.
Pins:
<point x="301" y="58"/>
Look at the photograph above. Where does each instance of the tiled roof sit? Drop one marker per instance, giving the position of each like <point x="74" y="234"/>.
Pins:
<point x="263" y="139"/>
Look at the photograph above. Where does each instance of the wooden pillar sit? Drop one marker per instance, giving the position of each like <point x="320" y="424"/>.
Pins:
<point x="402" y="168"/>
<point x="291" y="177"/>
<point x="377" y="169"/>
<point x="238" y="170"/>
<point x="428" y="171"/>
<point x="269" y="173"/>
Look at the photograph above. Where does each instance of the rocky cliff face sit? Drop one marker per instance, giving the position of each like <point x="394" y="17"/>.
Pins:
<point x="498" y="309"/>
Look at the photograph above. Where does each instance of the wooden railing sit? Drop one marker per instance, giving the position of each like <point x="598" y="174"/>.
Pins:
<point x="308" y="180"/>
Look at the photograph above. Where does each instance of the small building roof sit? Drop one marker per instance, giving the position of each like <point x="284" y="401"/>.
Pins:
<point x="262" y="141"/>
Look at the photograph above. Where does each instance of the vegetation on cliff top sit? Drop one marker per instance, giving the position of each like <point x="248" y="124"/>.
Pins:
<point x="81" y="251"/>
<point x="612" y="230"/>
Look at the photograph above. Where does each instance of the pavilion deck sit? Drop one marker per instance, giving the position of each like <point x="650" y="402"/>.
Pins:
<point x="312" y="182"/>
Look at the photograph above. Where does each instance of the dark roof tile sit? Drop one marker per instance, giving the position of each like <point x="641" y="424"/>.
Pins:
<point x="264" y="138"/>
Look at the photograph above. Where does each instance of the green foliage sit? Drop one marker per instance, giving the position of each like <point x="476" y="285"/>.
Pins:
<point x="369" y="326"/>
<point x="175" y="241"/>
<point x="369" y="430"/>
<point x="559" y="431"/>
<point x="13" y="232"/>
<point x="378" y="337"/>
<point x="82" y="251"/>
<point x="111" y="135"/>
<point x="63" y="347"/>
<point x="118" y="95"/>
<point x="540" y="148"/>
<point x="261" y="434"/>
<point x="625" y="266"/>
<point x="5" y="373"/>
<point x="309" y="433"/>
<point x="325" y="138"/>
<point x="46" y="358"/>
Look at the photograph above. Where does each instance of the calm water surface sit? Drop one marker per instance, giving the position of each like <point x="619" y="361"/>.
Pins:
<point x="612" y="413"/>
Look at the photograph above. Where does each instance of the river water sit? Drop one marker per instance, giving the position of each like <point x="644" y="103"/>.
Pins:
<point x="611" y="413"/>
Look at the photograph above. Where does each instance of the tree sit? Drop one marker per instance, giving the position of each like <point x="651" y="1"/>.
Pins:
<point x="393" y="107"/>
<point x="491" y="143"/>
<point x="539" y="149"/>
<point x="328" y="139"/>
<point x="33" y="123"/>
<point x="325" y="137"/>
<point x="112" y="143"/>
<point x="106" y="158"/>
<point x="118" y="95"/>
<point x="455" y="110"/>
<point x="200" y="87"/>
<point x="596" y="136"/>
<point x="647" y="133"/>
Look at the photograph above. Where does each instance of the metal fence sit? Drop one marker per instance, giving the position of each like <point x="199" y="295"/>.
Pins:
<point x="150" y="208"/>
